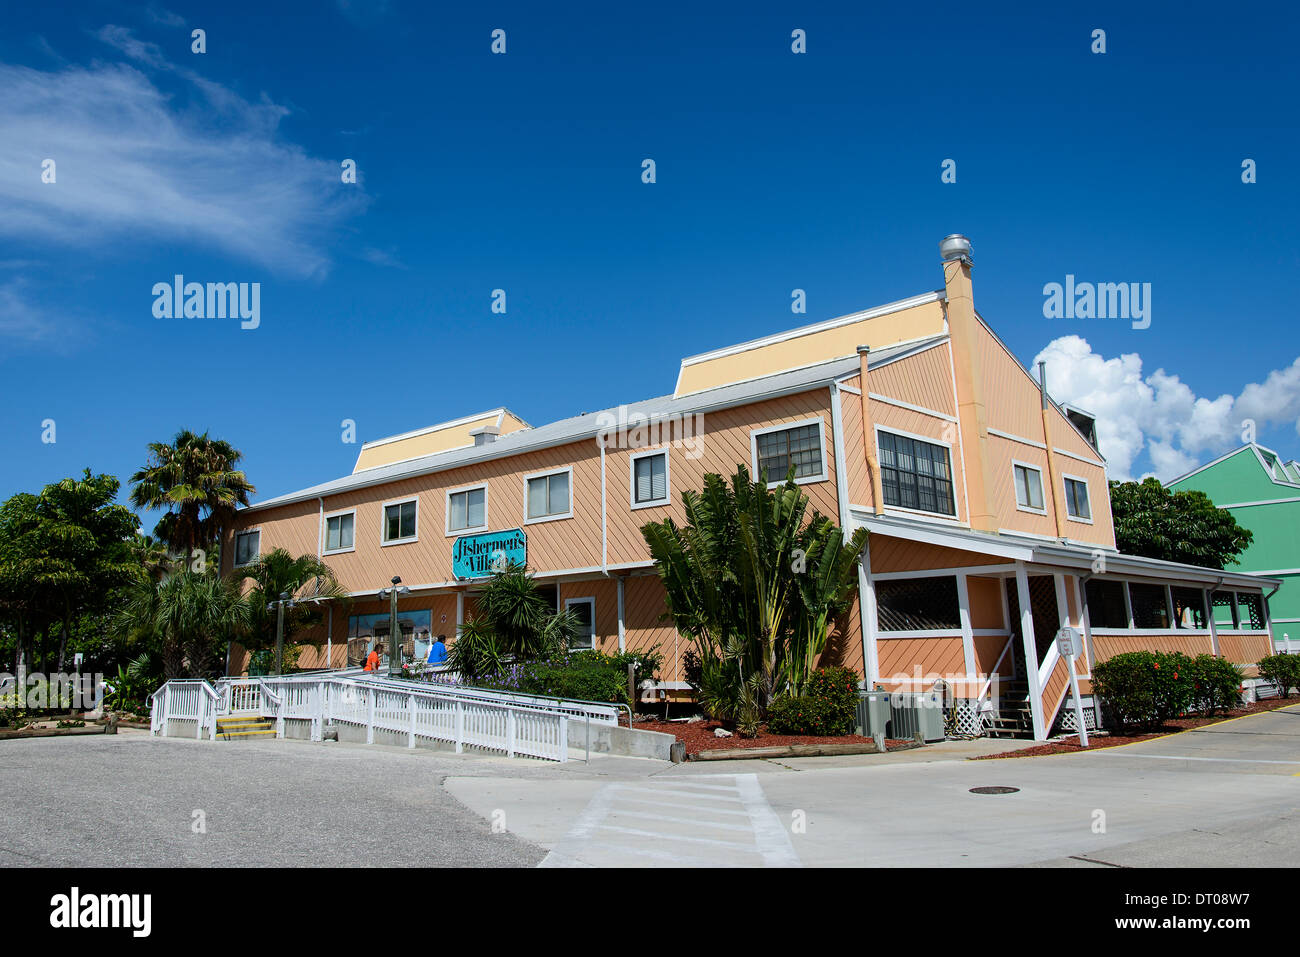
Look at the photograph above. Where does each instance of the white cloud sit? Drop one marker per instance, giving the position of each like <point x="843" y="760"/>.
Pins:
<point x="1159" y="413"/>
<point x="133" y="161"/>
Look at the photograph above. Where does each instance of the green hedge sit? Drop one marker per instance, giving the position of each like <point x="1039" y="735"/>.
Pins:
<point x="828" y="707"/>
<point x="1216" y="684"/>
<point x="1144" y="689"/>
<point x="1282" y="670"/>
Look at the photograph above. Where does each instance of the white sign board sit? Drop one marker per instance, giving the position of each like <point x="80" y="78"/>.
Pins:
<point x="1067" y="642"/>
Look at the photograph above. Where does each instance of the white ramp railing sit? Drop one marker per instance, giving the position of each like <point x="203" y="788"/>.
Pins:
<point x="478" y="719"/>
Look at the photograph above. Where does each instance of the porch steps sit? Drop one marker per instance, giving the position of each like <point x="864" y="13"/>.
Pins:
<point x="247" y="726"/>
<point x="1015" y="718"/>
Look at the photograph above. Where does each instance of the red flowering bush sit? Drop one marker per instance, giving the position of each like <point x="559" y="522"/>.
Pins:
<point x="1144" y="689"/>
<point x="828" y="707"/>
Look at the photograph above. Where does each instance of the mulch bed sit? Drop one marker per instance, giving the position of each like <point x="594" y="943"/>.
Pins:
<point x="698" y="736"/>
<point x="1071" y="744"/>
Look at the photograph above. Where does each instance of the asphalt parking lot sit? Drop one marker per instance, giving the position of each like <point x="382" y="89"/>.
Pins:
<point x="1228" y="795"/>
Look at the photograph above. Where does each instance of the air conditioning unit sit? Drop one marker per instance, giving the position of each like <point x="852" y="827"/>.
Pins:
<point x="911" y="714"/>
<point x="873" y="713"/>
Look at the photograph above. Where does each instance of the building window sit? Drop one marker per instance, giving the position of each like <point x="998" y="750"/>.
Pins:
<point x="339" y="532"/>
<point x="548" y="496"/>
<point x="776" y="451"/>
<point x="1150" y="607"/>
<point x="1189" y="607"/>
<point x="467" y="509"/>
<point x="1106" y="606"/>
<point x="650" y="479"/>
<point x="247" y="545"/>
<point x="1077" y="505"/>
<point x="1251" y="605"/>
<point x="1029" y="488"/>
<point x="584" y="609"/>
<point x="915" y="474"/>
<point x="918" y="604"/>
<point x="399" y="522"/>
<point x="1224" y="610"/>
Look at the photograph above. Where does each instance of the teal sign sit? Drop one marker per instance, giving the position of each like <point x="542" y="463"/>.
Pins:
<point x="477" y="556"/>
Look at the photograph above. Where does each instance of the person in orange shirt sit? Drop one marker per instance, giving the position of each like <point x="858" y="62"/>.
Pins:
<point x="372" y="660"/>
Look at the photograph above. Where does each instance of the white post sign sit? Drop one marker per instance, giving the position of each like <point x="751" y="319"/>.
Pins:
<point x="1067" y="642"/>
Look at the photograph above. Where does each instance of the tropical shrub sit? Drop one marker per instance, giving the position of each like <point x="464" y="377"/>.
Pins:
<point x="1144" y="689"/>
<point x="755" y="580"/>
<point x="262" y="661"/>
<point x="1216" y="684"/>
<point x="828" y="706"/>
<point x="1281" y="670"/>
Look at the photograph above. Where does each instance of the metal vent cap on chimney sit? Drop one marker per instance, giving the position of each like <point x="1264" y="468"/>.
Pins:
<point x="955" y="247"/>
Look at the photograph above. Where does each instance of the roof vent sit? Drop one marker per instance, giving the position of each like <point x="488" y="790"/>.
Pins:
<point x="485" y="434"/>
<point x="955" y="247"/>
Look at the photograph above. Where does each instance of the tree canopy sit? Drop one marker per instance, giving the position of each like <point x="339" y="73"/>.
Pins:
<point x="1185" y="526"/>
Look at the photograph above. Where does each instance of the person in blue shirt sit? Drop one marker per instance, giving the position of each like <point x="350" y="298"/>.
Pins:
<point x="438" y="651"/>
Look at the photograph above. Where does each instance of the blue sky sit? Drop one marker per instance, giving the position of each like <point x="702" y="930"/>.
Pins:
<point x="522" y="172"/>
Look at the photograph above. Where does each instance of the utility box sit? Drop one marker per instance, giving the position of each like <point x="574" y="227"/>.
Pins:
<point x="873" y="713"/>
<point x="911" y="714"/>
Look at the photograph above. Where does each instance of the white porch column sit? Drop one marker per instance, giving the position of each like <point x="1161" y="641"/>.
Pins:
<point x="967" y="633"/>
<point x="867" y="616"/>
<point x="622" y="628"/>
<point x="1207" y="595"/>
<point x="1030" y="650"/>
<point x="460" y="611"/>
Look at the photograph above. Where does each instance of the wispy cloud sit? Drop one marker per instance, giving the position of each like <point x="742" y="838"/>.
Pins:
<point x="1159" y="413"/>
<point x="21" y="319"/>
<point x="132" y="161"/>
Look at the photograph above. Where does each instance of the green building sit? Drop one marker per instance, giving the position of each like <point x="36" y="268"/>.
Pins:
<point x="1263" y="494"/>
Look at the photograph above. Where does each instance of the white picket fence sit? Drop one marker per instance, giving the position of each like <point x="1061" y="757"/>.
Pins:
<point x="498" y="722"/>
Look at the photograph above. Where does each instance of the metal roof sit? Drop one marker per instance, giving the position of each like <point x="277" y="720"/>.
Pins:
<point x="588" y="425"/>
<point x="1054" y="552"/>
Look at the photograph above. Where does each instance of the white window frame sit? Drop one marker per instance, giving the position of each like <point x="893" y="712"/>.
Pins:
<point x="1087" y="491"/>
<point x="585" y="600"/>
<point x="548" y="518"/>
<point x="383" y="521"/>
<point x="955" y="517"/>
<point x="1042" y="487"/>
<point x="469" y="529"/>
<point x="818" y="421"/>
<point x="668" y="478"/>
<point x="234" y="552"/>
<point x="325" y="532"/>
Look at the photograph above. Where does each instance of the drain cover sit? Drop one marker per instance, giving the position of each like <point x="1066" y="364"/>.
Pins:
<point x="997" y="789"/>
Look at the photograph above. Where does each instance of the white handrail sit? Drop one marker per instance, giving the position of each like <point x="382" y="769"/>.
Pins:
<point x="465" y="720"/>
<point x="988" y="683"/>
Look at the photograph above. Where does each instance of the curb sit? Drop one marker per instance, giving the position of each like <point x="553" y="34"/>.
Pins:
<point x="794" y="751"/>
<point x="1160" y="737"/>
<point x="53" y="732"/>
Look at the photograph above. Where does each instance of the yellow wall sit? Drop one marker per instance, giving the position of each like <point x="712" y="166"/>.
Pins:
<point x="431" y="442"/>
<point x="813" y="347"/>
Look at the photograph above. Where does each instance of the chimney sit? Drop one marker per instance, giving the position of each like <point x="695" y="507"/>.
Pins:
<point x="485" y="434"/>
<point x="972" y="418"/>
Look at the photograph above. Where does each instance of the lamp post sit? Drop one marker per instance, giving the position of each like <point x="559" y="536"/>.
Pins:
<point x="394" y="630"/>
<point x="280" y="605"/>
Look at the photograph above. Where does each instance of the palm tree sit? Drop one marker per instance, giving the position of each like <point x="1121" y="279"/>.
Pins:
<point x="190" y="616"/>
<point x="306" y="579"/>
<point x="514" y="623"/>
<point x="755" y="581"/>
<point x="196" y="481"/>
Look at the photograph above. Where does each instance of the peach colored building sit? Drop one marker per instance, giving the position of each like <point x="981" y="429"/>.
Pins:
<point x="986" y="502"/>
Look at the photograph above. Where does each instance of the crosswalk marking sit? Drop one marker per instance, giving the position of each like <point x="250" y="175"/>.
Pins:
<point x="731" y="824"/>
